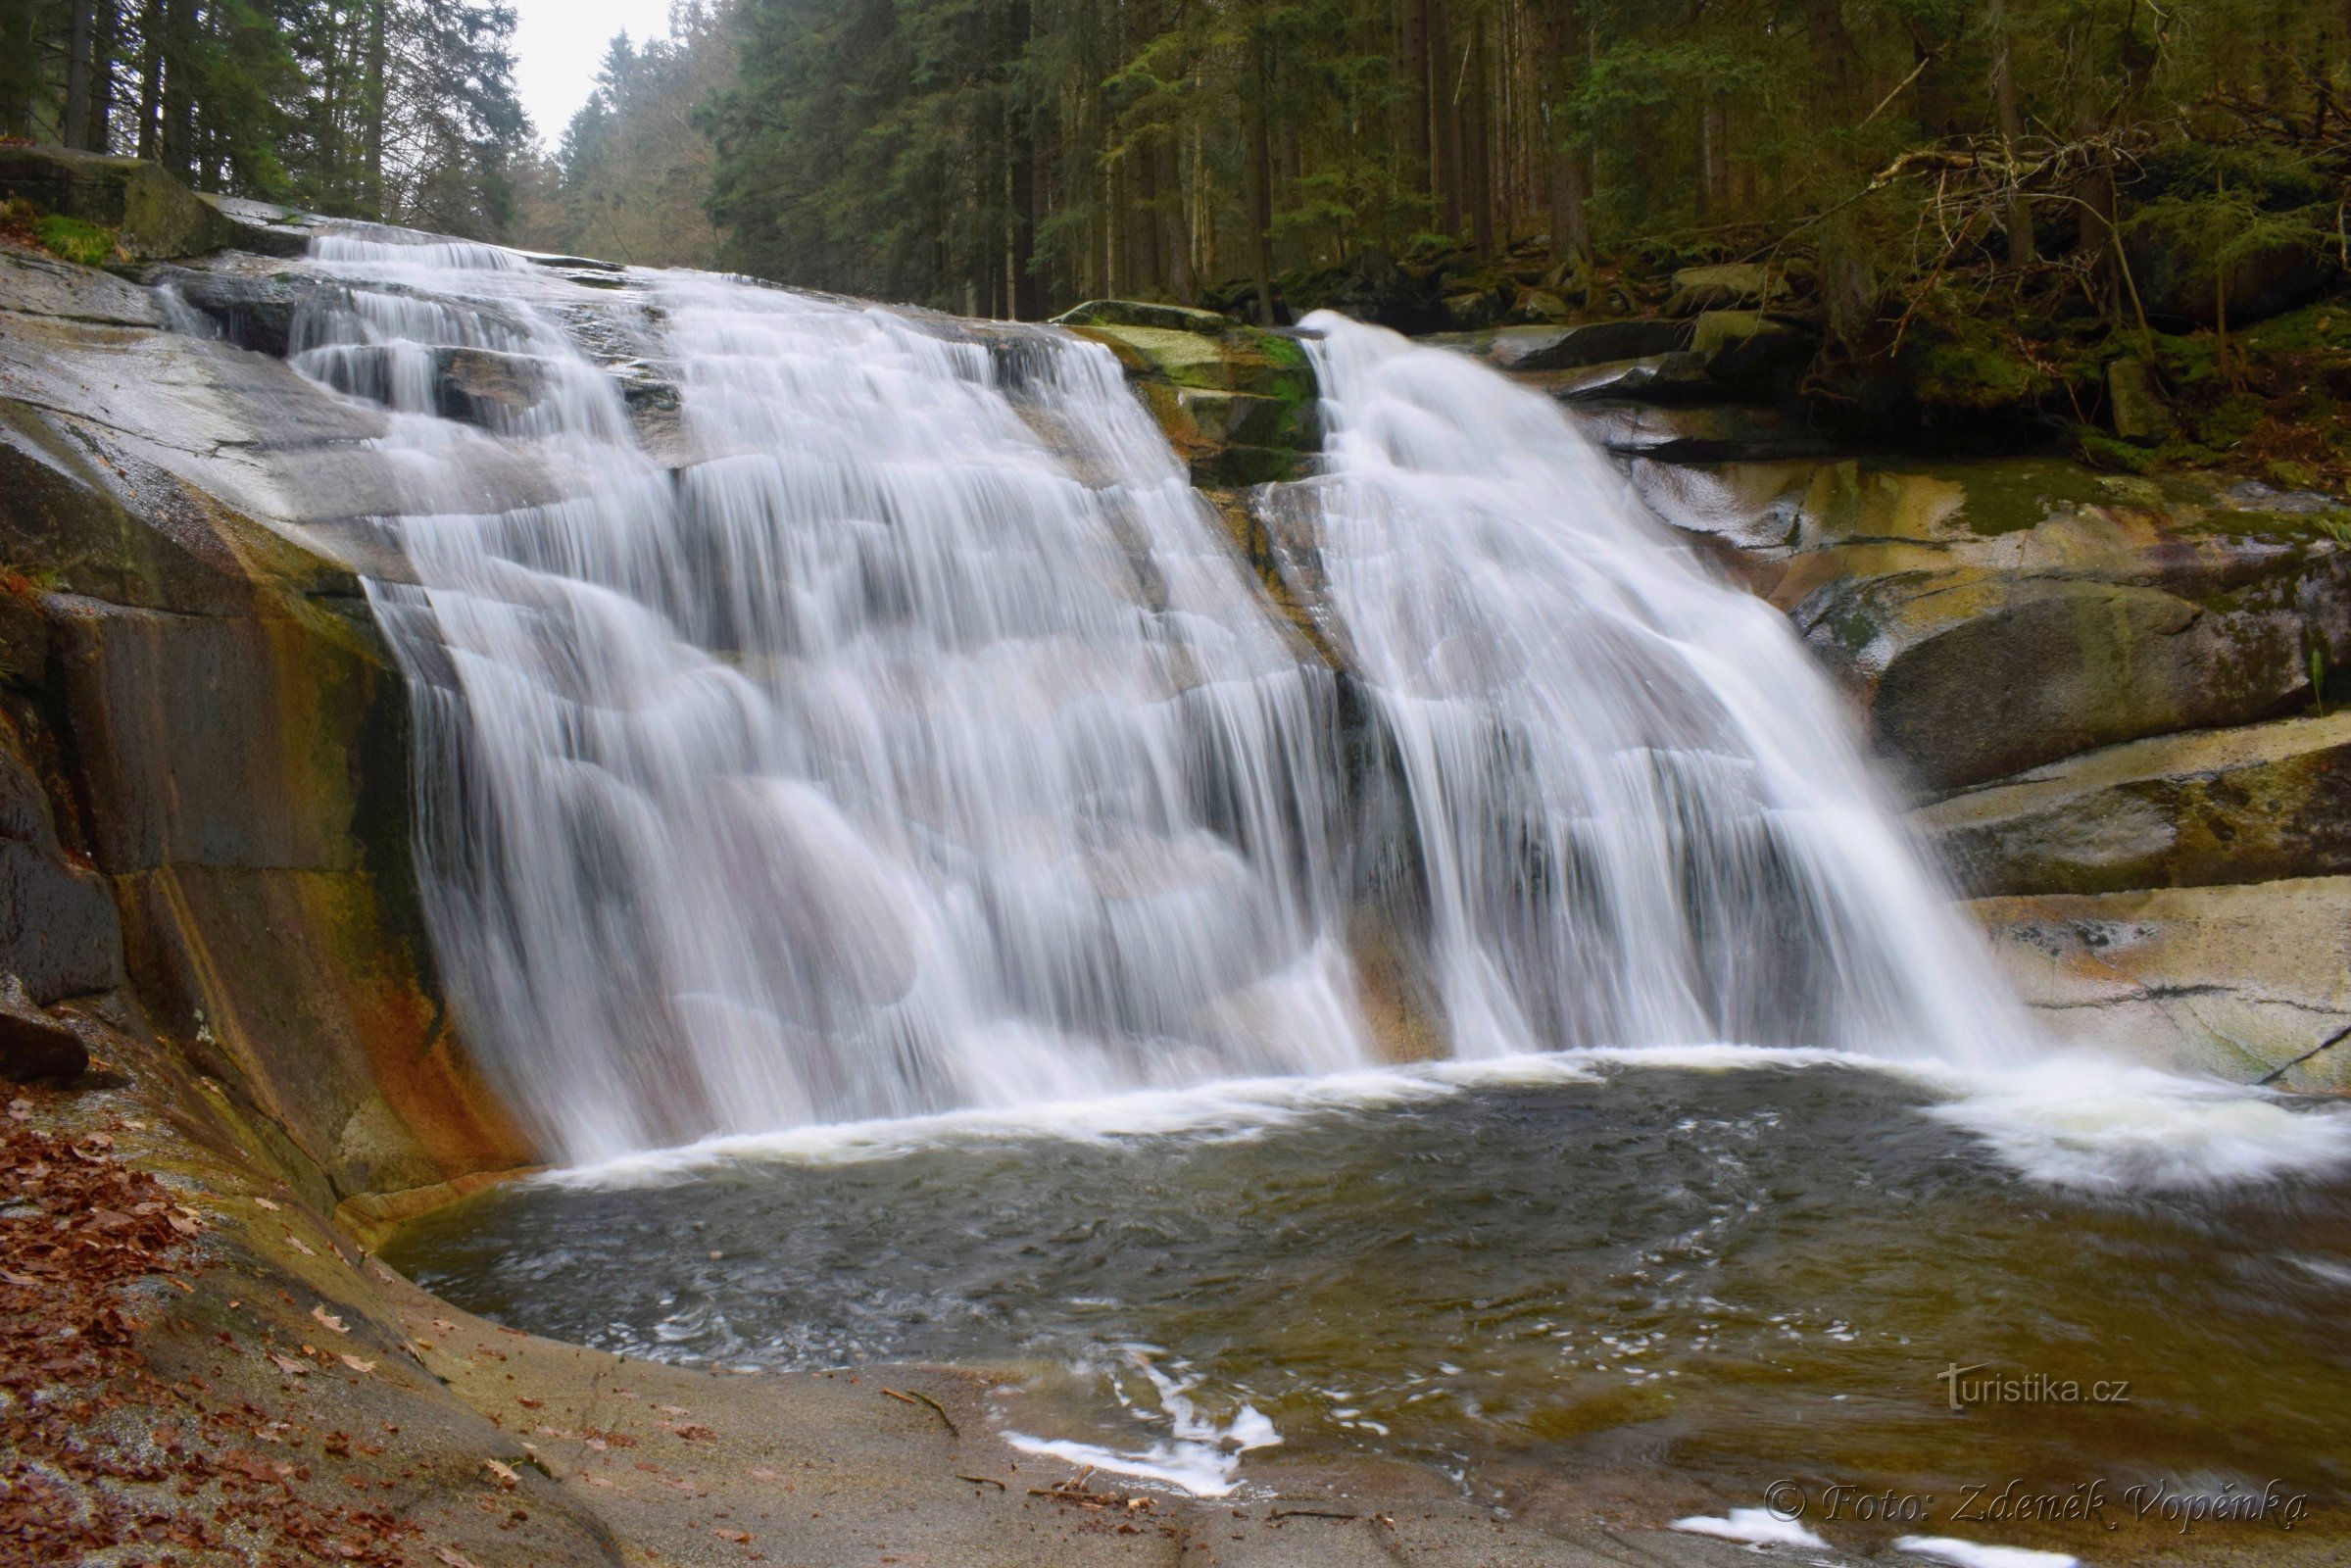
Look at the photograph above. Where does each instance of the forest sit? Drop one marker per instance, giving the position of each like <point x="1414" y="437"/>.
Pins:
<point x="400" y="110"/>
<point x="1433" y="164"/>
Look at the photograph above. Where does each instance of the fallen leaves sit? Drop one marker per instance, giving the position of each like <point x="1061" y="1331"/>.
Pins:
<point x="358" y="1365"/>
<point x="291" y="1366"/>
<point x="328" y="1318"/>
<point x="505" y="1474"/>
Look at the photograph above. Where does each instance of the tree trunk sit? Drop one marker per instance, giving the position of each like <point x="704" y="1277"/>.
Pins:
<point x="1260" y="181"/>
<point x="1479" y="118"/>
<point x="1831" y="58"/>
<point x="178" y="149"/>
<point x="1444" y="127"/>
<point x="1178" y="237"/>
<point x="76" y="131"/>
<point x="151" y="80"/>
<point x="1566" y="183"/>
<point x="376" y="107"/>
<point x="1150" y="228"/>
<point x="2004" y="97"/>
<point x="1417" y="99"/>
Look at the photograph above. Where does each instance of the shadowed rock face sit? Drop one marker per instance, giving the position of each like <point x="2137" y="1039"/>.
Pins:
<point x="203" y="777"/>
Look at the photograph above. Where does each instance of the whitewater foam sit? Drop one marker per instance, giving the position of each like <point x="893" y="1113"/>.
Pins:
<point x="1754" y="1527"/>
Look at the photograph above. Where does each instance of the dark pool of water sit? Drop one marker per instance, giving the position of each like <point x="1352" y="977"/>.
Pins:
<point x="1734" y="1273"/>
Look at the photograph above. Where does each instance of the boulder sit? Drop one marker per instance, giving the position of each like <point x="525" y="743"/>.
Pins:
<point x="1599" y="342"/>
<point x="33" y="1045"/>
<point x="1677" y="378"/>
<point x="2243" y="981"/>
<point x="1144" y="312"/>
<point x="1750" y="353"/>
<point x="1728" y="286"/>
<point x="2256" y="803"/>
<point x="1967" y="675"/>
<point x="2175" y="283"/>
<point x="1238" y="402"/>
<point x="156" y="218"/>
<point x="1995" y="615"/>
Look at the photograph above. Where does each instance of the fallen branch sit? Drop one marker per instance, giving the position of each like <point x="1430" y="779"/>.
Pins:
<point x="919" y="1398"/>
<point x="1093" y="1500"/>
<point x="1916" y="72"/>
<point x="983" y="1481"/>
<point x="1308" y="1513"/>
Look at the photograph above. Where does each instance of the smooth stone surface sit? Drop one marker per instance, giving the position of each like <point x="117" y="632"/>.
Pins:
<point x="2236" y="981"/>
<point x="2256" y="803"/>
<point x="1600" y="342"/>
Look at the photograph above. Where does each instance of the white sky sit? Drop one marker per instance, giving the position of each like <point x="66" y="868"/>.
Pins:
<point x="560" y="43"/>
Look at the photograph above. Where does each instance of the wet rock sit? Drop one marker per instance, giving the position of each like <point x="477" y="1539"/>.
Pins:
<point x="2256" y="803"/>
<point x="1967" y="675"/>
<point x="59" y="935"/>
<point x="1752" y="354"/>
<point x="157" y="218"/>
<point x="1698" y="433"/>
<point x="1677" y="378"/>
<point x="1237" y="403"/>
<point x="2240" y="981"/>
<point x="253" y="310"/>
<point x="1599" y="342"/>
<point x="1993" y="617"/>
<point x="33" y="1045"/>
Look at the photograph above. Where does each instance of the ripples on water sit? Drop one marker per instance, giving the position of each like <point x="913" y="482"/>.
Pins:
<point x="1596" y="1261"/>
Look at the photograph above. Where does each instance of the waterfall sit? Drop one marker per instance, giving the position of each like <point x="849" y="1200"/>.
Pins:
<point x="825" y="713"/>
<point x="916" y="742"/>
<point x="1639" y="809"/>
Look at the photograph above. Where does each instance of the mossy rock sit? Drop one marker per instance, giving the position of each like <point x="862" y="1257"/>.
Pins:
<point x="152" y="215"/>
<point x="1960" y="362"/>
<point x="1237" y="403"/>
<point x="2254" y="804"/>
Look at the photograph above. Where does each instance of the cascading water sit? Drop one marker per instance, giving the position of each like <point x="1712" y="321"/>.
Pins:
<point x="916" y="741"/>
<point x="1640" y="811"/>
<point x="885" y="757"/>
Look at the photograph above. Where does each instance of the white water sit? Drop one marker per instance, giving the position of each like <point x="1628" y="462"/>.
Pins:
<point x="918" y="747"/>
<point x="1640" y="814"/>
<point x="886" y="758"/>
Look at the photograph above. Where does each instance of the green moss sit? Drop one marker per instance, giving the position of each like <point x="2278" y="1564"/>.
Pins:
<point x="2228" y="422"/>
<point x="2102" y="450"/>
<point x="1962" y="362"/>
<point x="75" y="240"/>
<point x="2325" y="325"/>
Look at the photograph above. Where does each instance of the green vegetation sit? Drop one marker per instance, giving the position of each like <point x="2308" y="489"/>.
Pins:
<point x="1994" y="220"/>
<point x="75" y="240"/>
<point x="402" y="110"/>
